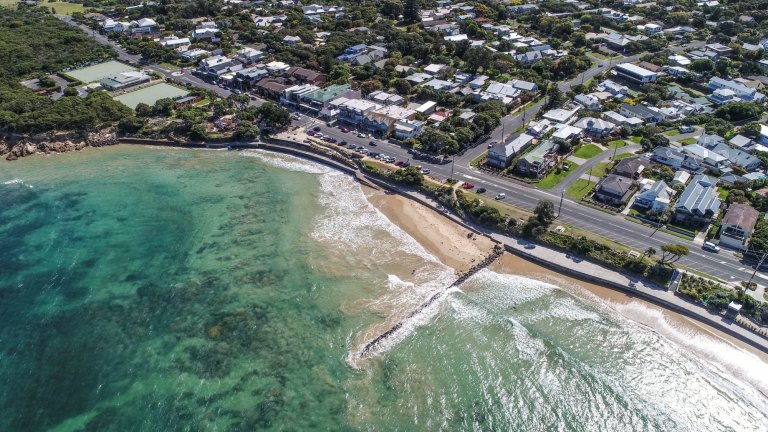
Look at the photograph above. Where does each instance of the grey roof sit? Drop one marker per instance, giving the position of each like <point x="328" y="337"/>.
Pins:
<point x="740" y="141"/>
<point x="700" y="197"/>
<point x="617" y="186"/>
<point x="736" y="157"/>
<point x="512" y="147"/>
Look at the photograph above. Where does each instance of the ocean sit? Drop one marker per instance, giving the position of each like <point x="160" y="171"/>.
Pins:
<point x="151" y="289"/>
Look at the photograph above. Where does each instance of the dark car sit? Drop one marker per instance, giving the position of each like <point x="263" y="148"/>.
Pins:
<point x="316" y="128"/>
<point x="373" y="154"/>
<point x="480" y="190"/>
<point x="373" y="143"/>
<point x="399" y="163"/>
<point x="343" y="143"/>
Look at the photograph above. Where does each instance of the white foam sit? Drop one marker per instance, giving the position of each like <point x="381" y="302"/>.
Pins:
<point x="17" y="181"/>
<point x="726" y="357"/>
<point x="288" y="162"/>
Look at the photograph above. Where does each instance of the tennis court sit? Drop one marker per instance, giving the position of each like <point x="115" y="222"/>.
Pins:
<point x="150" y="95"/>
<point x="95" y="73"/>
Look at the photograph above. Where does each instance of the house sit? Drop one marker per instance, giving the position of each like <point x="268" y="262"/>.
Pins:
<point x="560" y="115"/>
<point x="652" y="29"/>
<point x="248" y="55"/>
<point x="501" y="154"/>
<point x="354" y="110"/>
<point x="187" y="101"/>
<point x="720" y="49"/>
<point x="247" y="78"/>
<point x="707" y="157"/>
<point x="740" y="141"/>
<point x="655" y="196"/>
<point x="438" y="84"/>
<point x="427" y="108"/>
<point x="529" y="58"/>
<point x="522" y="9"/>
<point x="292" y="95"/>
<point x="620" y="41"/>
<point x="291" y="40"/>
<point x="434" y="69"/>
<point x="631" y="167"/>
<point x="316" y="101"/>
<point x="676" y="159"/>
<point x="635" y="73"/>
<point x="174" y="42"/>
<point x="642" y="112"/>
<point x="698" y="203"/>
<point x="537" y="162"/>
<point x="589" y="102"/>
<point x="277" y="67"/>
<point x="566" y="132"/>
<point x="144" y="26"/>
<point x="306" y="76"/>
<point x="728" y="90"/>
<point x="595" y="126"/>
<point x="680" y="178"/>
<point x="382" y="120"/>
<point x="737" y="226"/>
<point x="205" y="33"/>
<point x="405" y="129"/>
<point x="112" y="26"/>
<point x="614" y="88"/>
<point x="316" y="9"/>
<point x="538" y="128"/>
<point x="384" y="98"/>
<point x="271" y="88"/>
<point x="620" y="120"/>
<point x="194" y="54"/>
<point x="124" y="80"/>
<point x="218" y="65"/>
<point x="614" y="189"/>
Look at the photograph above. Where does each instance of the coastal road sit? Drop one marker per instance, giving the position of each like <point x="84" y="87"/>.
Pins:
<point x="639" y="237"/>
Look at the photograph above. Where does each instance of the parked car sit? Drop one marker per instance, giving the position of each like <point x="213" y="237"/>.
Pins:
<point x="362" y="135"/>
<point x="373" y="154"/>
<point x="316" y="128"/>
<point x="491" y="144"/>
<point x="343" y="143"/>
<point x="364" y="151"/>
<point x="345" y="130"/>
<point x="467" y="185"/>
<point x="686" y="129"/>
<point x="372" y="143"/>
<point x="352" y="147"/>
<point x="501" y="196"/>
<point x="481" y="190"/>
<point x="425" y="171"/>
<point x="406" y="164"/>
<point x="709" y="246"/>
<point x="399" y="163"/>
<point x="311" y="133"/>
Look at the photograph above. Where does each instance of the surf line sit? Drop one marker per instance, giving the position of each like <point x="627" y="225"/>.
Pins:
<point x="497" y="251"/>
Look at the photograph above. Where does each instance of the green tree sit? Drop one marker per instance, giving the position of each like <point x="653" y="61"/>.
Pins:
<point x="411" y="10"/>
<point x="672" y="252"/>
<point x="131" y="124"/>
<point x="402" y="86"/>
<point x="545" y="211"/>
<point x="272" y="117"/>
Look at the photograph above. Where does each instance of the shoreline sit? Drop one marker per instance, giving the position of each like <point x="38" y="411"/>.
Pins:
<point x="457" y="250"/>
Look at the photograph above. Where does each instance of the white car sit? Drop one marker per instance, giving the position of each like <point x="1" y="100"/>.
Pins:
<point x="501" y="196"/>
<point x="425" y="171"/>
<point x="686" y="129"/>
<point x="709" y="246"/>
<point x="362" y="135"/>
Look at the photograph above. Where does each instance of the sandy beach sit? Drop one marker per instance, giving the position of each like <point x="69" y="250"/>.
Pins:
<point x="453" y="245"/>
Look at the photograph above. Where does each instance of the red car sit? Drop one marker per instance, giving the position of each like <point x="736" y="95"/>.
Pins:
<point x="311" y="133"/>
<point x="399" y="163"/>
<point x="345" y="130"/>
<point x="467" y="185"/>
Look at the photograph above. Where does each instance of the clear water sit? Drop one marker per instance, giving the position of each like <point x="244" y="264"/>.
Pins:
<point x="161" y="290"/>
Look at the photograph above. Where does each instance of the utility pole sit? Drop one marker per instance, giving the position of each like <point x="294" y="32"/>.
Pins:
<point x="453" y="159"/>
<point x="756" y="269"/>
<point x="560" y="207"/>
<point x="590" y="174"/>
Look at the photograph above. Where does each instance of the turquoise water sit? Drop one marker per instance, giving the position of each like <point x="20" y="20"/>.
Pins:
<point x="161" y="290"/>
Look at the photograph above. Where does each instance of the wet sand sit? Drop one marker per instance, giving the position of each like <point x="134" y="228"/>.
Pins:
<point x="450" y="243"/>
<point x="454" y="245"/>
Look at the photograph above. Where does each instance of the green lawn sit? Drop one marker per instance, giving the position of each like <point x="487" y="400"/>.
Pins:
<point x="722" y="193"/>
<point x="60" y="7"/>
<point x="636" y="139"/>
<point x="554" y="178"/>
<point x="588" y="151"/>
<point x="602" y="56"/>
<point x="623" y="156"/>
<point x="600" y="169"/>
<point x="580" y="188"/>
<point x="671" y="132"/>
<point x="687" y="141"/>
<point x="616" y="144"/>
